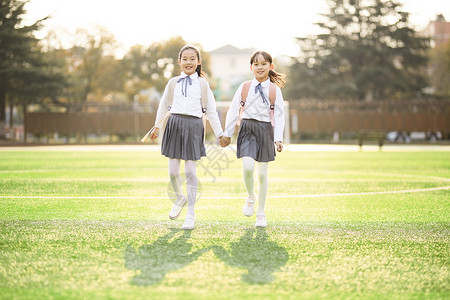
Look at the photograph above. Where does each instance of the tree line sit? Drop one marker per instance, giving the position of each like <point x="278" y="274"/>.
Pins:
<point x="367" y="51"/>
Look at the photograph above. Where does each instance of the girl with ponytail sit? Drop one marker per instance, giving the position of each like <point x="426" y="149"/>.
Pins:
<point x="261" y="128"/>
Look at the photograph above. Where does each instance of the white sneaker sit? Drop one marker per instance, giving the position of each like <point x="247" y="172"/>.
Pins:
<point x="188" y="223"/>
<point x="177" y="207"/>
<point x="249" y="207"/>
<point x="261" y="220"/>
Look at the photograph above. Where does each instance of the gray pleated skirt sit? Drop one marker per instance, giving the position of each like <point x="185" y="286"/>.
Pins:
<point x="255" y="140"/>
<point x="183" y="138"/>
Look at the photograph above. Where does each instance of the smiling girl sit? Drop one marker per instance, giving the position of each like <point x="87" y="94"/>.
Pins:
<point x="184" y="132"/>
<point x="261" y="128"/>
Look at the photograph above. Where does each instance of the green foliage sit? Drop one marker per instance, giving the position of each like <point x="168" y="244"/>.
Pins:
<point x="151" y="66"/>
<point x="90" y="67"/>
<point x="368" y="50"/>
<point x="26" y="74"/>
<point x="95" y="74"/>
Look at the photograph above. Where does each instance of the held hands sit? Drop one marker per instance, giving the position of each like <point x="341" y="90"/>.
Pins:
<point x="279" y="146"/>
<point x="154" y="133"/>
<point x="224" y="141"/>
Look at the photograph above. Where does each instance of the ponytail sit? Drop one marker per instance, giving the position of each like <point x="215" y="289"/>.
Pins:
<point x="275" y="77"/>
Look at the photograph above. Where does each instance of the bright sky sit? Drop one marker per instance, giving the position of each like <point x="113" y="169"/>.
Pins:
<point x="265" y="24"/>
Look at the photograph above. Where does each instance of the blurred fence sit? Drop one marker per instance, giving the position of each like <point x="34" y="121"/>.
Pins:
<point x="347" y="116"/>
<point x="84" y="123"/>
<point x="305" y="117"/>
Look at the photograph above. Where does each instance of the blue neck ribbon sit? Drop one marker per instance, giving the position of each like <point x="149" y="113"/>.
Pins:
<point x="260" y="89"/>
<point x="184" y="84"/>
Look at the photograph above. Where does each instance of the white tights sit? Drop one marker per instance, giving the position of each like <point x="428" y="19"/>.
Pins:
<point x="190" y="170"/>
<point x="248" y="168"/>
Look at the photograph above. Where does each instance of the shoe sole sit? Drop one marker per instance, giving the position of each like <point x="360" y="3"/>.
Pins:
<point x="175" y="217"/>
<point x="188" y="227"/>
<point x="261" y="225"/>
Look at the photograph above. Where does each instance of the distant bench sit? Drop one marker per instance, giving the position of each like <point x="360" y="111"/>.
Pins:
<point x="371" y="135"/>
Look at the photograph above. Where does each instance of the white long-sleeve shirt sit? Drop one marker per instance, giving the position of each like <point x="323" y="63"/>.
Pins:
<point x="256" y="109"/>
<point x="190" y="105"/>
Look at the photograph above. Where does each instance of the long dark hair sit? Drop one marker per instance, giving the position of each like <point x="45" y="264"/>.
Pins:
<point x="275" y="77"/>
<point x="199" y="67"/>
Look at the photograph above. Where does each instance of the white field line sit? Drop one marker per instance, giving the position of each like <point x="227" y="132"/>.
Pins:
<point x="225" y="197"/>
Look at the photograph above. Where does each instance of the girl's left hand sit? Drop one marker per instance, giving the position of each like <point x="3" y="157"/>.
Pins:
<point x="279" y="146"/>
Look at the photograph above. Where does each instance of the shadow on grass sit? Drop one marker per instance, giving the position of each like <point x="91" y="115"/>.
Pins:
<point x="258" y="255"/>
<point x="161" y="257"/>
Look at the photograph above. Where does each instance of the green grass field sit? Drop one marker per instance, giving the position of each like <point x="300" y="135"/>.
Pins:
<point x="91" y="224"/>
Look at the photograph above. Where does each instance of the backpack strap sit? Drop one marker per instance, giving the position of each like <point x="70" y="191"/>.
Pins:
<point x="204" y="93"/>
<point x="203" y="87"/>
<point x="272" y="98"/>
<point x="203" y="101"/>
<point x="170" y="91"/>
<point x="244" y="94"/>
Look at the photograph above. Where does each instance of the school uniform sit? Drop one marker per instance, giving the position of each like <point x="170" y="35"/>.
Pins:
<point x="256" y="135"/>
<point x="184" y="133"/>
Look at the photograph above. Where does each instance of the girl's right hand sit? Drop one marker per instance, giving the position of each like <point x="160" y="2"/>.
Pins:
<point x="279" y="146"/>
<point x="154" y="133"/>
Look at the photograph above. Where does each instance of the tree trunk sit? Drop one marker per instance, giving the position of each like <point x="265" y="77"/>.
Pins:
<point x="2" y="115"/>
<point x="24" y="107"/>
<point x="11" y="113"/>
<point x="11" y="120"/>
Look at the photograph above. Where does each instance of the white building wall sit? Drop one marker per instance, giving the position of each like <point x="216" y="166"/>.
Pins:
<point x="229" y="67"/>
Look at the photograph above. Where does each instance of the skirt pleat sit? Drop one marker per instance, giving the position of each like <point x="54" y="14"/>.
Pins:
<point x="183" y="138"/>
<point x="255" y="140"/>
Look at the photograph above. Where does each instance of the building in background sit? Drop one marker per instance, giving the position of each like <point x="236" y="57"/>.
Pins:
<point x="230" y="66"/>
<point x="438" y="31"/>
